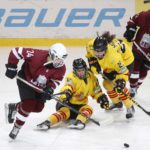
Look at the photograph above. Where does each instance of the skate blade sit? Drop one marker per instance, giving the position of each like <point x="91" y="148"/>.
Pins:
<point x="10" y="140"/>
<point x="115" y="109"/>
<point x="38" y="128"/>
<point x="79" y="127"/>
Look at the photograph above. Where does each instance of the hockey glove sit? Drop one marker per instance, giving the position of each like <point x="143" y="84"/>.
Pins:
<point x="103" y="100"/>
<point x="110" y="75"/>
<point x="94" y="63"/>
<point x="68" y="96"/>
<point x="48" y="91"/>
<point x="129" y="33"/>
<point x="11" y="71"/>
<point x="120" y="85"/>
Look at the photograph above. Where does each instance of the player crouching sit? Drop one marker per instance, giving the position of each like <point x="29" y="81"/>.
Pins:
<point x="80" y="84"/>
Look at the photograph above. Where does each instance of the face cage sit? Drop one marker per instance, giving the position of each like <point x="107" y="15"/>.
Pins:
<point x="99" y="54"/>
<point x="57" y="62"/>
<point x="76" y="73"/>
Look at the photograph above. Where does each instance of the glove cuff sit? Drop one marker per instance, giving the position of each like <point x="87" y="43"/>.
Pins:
<point x="14" y="66"/>
<point x="132" y="28"/>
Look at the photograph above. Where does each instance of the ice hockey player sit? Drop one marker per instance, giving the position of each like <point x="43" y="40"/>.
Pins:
<point x="44" y="69"/>
<point x="115" y="58"/>
<point x="80" y="84"/>
<point x="138" y="30"/>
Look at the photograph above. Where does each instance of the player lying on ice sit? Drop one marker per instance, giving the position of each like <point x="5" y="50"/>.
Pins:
<point x="115" y="58"/>
<point x="44" y="69"/>
<point x="80" y="84"/>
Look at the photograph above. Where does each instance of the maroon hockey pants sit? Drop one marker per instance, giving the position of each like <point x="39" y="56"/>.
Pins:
<point x="138" y="74"/>
<point x="24" y="108"/>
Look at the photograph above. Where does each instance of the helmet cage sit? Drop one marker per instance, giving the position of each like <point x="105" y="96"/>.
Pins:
<point x="79" y="66"/>
<point x="58" y="54"/>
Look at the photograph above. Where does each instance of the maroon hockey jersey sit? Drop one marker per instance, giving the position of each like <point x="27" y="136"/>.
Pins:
<point x="142" y="39"/>
<point x="34" y="68"/>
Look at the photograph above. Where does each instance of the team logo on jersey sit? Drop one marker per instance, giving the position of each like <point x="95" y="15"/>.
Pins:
<point x="122" y="67"/>
<point x="30" y="53"/>
<point x="145" y="41"/>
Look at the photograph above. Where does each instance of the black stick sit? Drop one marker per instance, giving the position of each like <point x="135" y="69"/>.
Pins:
<point x="57" y="99"/>
<point x="74" y="110"/>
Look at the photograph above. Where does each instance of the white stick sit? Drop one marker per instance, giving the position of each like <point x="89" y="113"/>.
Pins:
<point x="138" y="47"/>
<point x="28" y="83"/>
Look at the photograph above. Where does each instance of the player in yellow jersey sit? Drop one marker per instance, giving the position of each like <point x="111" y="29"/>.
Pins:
<point x="80" y="84"/>
<point x="116" y="59"/>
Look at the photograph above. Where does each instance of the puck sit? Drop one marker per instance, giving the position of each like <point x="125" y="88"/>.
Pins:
<point x="126" y="145"/>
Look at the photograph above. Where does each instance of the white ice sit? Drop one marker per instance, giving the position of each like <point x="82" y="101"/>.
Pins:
<point x="115" y="129"/>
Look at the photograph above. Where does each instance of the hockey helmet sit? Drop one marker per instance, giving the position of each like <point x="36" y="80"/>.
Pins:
<point x="100" y="44"/>
<point x="58" y="54"/>
<point x="80" y="68"/>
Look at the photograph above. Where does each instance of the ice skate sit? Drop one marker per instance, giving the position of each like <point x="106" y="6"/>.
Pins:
<point x="77" y="124"/>
<point x="118" y="106"/>
<point x="44" y="125"/>
<point x="10" y="112"/>
<point x="14" y="132"/>
<point x="133" y="92"/>
<point x="130" y="112"/>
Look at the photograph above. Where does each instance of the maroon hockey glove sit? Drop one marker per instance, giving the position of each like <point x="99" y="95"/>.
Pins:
<point x="48" y="91"/>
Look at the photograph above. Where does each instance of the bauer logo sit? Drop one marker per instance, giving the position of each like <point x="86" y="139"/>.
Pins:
<point x="76" y="17"/>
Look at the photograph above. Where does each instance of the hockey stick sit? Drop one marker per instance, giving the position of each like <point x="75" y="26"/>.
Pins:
<point x="75" y="111"/>
<point x="57" y="99"/>
<point x="34" y="87"/>
<point x="138" y="47"/>
<point x="138" y="105"/>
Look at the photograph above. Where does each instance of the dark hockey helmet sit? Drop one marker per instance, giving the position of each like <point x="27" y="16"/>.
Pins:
<point x="100" y="44"/>
<point x="80" y="65"/>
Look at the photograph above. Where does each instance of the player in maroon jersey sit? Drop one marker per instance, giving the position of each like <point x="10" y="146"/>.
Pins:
<point x="139" y="24"/>
<point x="44" y="69"/>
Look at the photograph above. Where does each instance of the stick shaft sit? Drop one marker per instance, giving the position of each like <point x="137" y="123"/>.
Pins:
<point x="74" y="110"/>
<point x="29" y="84"/>
<point x="138" y="47"/>
<point x="57" y="99"/>
<point x="34" y="87"/>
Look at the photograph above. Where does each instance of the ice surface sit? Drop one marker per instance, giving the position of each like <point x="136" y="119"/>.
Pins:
<point x="114" y="131"/>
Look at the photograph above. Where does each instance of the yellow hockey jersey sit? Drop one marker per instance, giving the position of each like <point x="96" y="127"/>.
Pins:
<point x="82" y="89"/>
<point x="118" y="56"/>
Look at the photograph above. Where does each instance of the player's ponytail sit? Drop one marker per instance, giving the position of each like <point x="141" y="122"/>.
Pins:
<point x="109" y="37"/>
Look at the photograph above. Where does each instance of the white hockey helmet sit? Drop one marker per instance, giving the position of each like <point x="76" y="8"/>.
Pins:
<point x="58" y="53"/>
